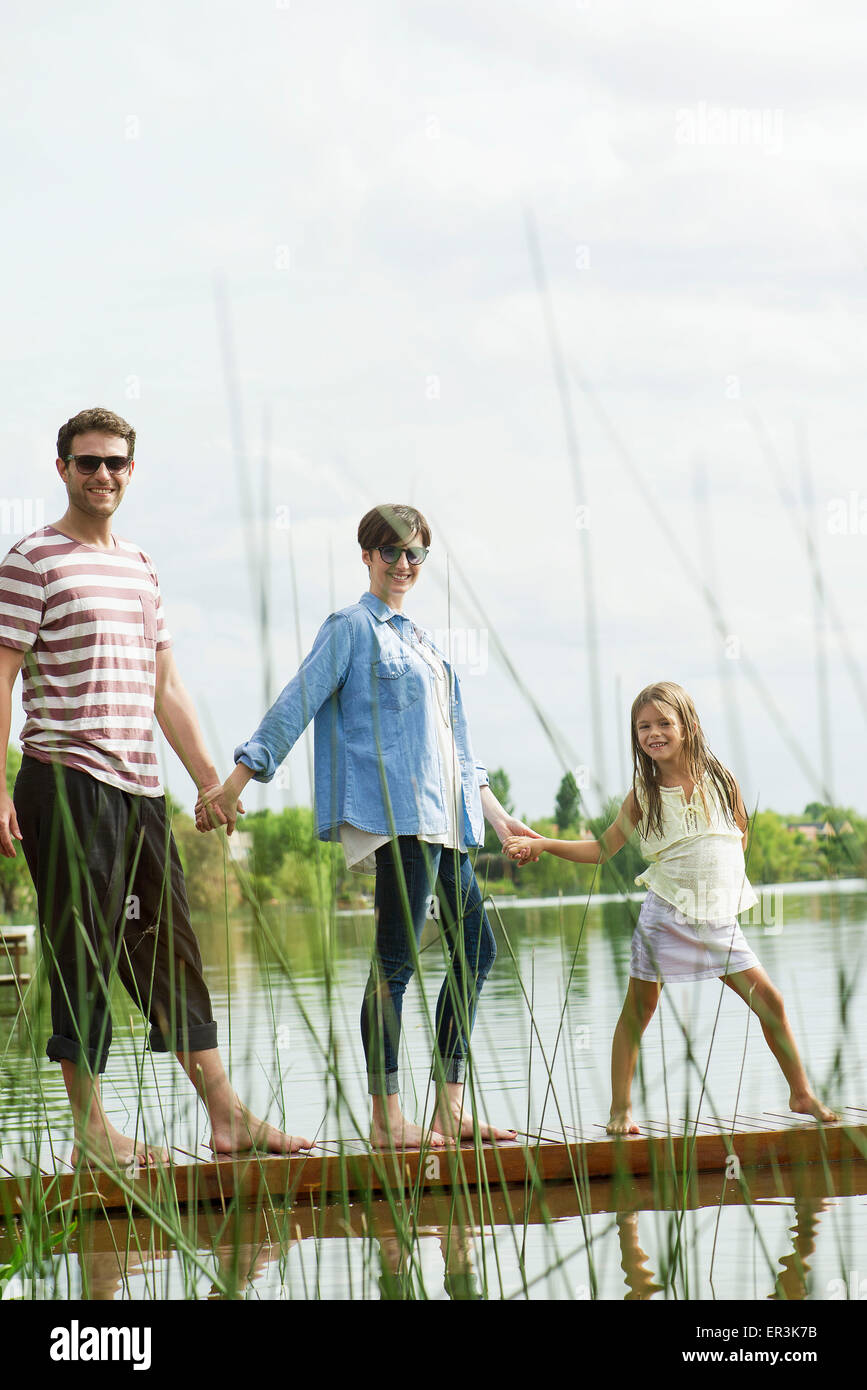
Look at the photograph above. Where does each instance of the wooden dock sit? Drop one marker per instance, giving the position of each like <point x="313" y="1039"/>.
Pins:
<point x="351" y="1171"/>
<point x="15" y="943"/>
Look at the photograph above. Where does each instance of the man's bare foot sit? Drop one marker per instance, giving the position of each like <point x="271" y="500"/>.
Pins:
<point x="621" y="1122"/>
<point x="401" y="1135"/>
<point x="115" y="1150"/>
<point x="241" y="1133"/>
<point x="807" y="1104"/>
<point x="458" y="1124"/>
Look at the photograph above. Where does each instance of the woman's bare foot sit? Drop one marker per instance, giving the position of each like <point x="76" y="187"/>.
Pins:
<point x="453" y="1118"/>
<point x="389" y="1129"/>
<point x="621" y="1122"/>
<point x="115" y="1150"/>
<point x="457" y="1124"/>
<point x="807" y="1104"/>
<point x="240" y="1132"/>
<point x="400" y="1134"/>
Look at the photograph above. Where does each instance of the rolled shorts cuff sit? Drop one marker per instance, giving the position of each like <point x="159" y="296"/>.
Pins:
<point x="200" y="1038"/>
<point x="383" y="1085"/>
<point x="60" y="1049"/>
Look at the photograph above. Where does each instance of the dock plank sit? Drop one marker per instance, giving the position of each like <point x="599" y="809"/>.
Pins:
<point x="322" y="1174"/>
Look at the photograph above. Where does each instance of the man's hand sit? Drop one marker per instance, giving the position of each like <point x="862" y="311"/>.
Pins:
<point x="9" y="831"/>
<point x="10" y="664"/>
<point x="217" y="805"/>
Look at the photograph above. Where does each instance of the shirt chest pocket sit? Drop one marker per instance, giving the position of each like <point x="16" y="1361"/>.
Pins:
<point x="149" y="616"/>
<point x="394" y="685"/>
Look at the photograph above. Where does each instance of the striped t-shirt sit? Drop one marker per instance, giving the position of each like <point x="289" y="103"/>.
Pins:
<point x="91" y="623"/>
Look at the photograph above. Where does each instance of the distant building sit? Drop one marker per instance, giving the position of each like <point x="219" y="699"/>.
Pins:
<point x="818" y="829"/>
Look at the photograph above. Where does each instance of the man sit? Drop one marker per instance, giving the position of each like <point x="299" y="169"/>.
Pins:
<point x="80" y="611"/>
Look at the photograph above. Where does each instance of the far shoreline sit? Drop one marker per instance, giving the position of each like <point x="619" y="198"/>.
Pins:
<point x="803" y="886"/>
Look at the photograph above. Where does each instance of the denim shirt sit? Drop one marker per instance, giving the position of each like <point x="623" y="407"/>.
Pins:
<point x="373" y="703"/>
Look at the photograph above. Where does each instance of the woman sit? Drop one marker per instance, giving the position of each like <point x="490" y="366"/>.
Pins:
<point x="396" y="782"/>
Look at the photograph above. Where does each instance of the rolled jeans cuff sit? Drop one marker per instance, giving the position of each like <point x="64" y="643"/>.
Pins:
<point x="383" y="1085"/>
<point x="453" y="1070"/>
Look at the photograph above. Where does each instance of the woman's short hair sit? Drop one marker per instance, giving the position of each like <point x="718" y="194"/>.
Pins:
<point x="389" y="524"/>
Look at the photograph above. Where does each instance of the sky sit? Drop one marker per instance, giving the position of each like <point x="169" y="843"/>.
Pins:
<point x="305" y="232"/>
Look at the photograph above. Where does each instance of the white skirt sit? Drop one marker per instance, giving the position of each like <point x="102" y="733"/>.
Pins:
<point x="667" y="946"/>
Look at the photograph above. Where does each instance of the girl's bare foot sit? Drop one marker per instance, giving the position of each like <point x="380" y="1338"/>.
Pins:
<point x="621" y="1122"/>
<point x="807" y="1104"/>
<point x="240" y="1132"/>
<point x="400" y="1134"/>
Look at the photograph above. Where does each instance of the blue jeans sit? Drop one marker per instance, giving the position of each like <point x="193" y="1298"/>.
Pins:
<point x="418" y="869"/>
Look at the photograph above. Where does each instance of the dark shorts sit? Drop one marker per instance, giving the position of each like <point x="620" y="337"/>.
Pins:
<point x="112" y="901"/>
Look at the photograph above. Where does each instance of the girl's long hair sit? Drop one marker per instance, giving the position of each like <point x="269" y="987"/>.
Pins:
<point x="696" y="754"/>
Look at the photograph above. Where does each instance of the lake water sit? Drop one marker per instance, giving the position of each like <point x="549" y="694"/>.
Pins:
<point x="566" y="962"/>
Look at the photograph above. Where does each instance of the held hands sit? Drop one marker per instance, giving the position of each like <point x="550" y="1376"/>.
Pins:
<point x="523" y="849"/>
<point x="217" y="805"/>
<point x="517" y="840"/>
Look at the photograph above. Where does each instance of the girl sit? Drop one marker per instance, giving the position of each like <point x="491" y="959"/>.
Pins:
<point x="692" y="827"/>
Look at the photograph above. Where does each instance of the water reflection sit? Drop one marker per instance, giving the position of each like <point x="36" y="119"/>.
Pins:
<point x="639" y="1280"/>
<point x="504" y="1243"/>
<point x="792" y="1283"/>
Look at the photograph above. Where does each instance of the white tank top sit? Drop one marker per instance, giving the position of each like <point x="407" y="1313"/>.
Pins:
<point x="697" y="863"/>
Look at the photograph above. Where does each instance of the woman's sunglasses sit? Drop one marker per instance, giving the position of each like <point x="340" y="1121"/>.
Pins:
<point x="416" y="554"/>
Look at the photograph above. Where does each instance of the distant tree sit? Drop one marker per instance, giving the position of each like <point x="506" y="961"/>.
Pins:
<point x="502" y="789"/>
<point x="550" y="875"/>
<point x="209" y="884"/>
<point x="841" y="854"/>
<point x="567" y="803"/>
<point x="289" y="863"/>
<point x="777" y="855"/>
<point x="845" y="851"/>
<point x="618" y="874"/>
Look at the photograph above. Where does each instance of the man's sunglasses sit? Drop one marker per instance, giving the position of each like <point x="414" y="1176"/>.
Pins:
<point x="89" y="463"/>
<point x="416" y="554"/>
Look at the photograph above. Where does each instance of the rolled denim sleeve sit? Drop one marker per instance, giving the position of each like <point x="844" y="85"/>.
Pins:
<point x="321" y="673"/>
<point x="482" y="774"/>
